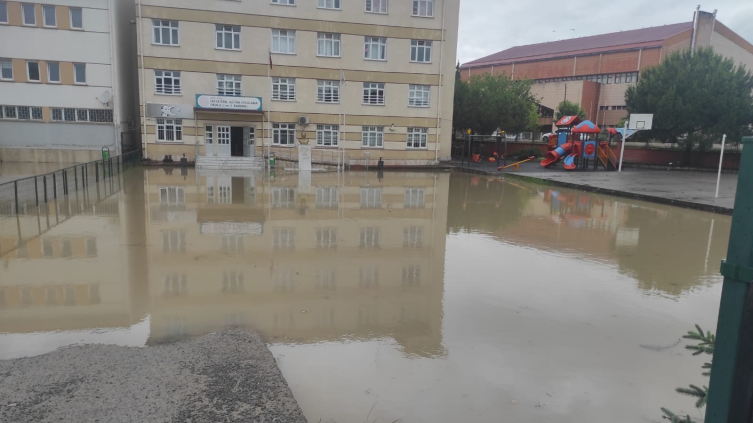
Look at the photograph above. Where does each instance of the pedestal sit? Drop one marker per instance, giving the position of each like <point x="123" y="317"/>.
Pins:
<point x="304" y="158"/>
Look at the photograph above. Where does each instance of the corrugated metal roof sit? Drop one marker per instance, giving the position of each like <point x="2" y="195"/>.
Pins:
<point x="645" y="37"/>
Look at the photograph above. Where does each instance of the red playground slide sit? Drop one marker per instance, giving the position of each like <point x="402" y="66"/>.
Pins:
<point x="555" y="155"/>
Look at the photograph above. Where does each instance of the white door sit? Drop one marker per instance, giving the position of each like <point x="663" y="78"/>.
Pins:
<point x="208" y="140"/>
<point x="224" y="189"/>
<point x="249" y="149"/>
<point x="223" y="140"/>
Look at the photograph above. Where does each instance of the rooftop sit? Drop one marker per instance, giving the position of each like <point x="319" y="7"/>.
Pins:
<point x="636" y="38"/>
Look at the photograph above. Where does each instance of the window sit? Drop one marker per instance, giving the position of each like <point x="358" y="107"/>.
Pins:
<point x="329" y="4"/>
<point x="418" y="95"/>
<point x="209" y="139"/>
<point x="48" y="13"/>
<point x="79" y="73"/>
<point x="375" y="48"/>
<point x="326" y="198"/>
<point x="283" y="89"/>
<point x="327" y="135"/>
<point x="173" y="241"/>
<point x="32" y="71"/>
<point x="369" y="237"/>
<point x="368" y="277"/>
<point x="36" y="113"/>
<point x="3" y="12"/>
<point x="53" y="72"/>
<point x="372" y="136"/>
<point x="608" y="78"/>
<point x="57" y="114"/>
<point x="165" y="32"/>
<point x="411" y="275"/>
<point x="371" y="198"/>
<point x="69" y="115"/>
<point x="6" y="69"/>
<point x="9" y="112"/>
<point x="423" y="8"/>
<point x="167" y="82"/>
<point x="29" y="18"/>
<point x="283" y="133"/>
<point x="228" y="37"/>
<point x="373" y="93"/>
<point x="618" y="78"/>
<point x="169" y="130"/>
<point x="284" y="2"/>
<point x="283" y="198"/>
<point x="21" y="112"/>
<point x="284" y="239"/>
<point x="283" y="41"/>
<point x="229" y="85"/>
<point x="420" y="51"/>
<point x="328" y="91"/>
<point x="417" y="137"/>
<point x="631" y="77"/>
<point x="24" y="113"/>
<point x="413" y="237"/>
<point x="172" y="196"/>
<point x="328" y="45"/>
<point x="326" y="238"/>
<point x="376" y="6"/>
<point x="77" y="20"/>
<point x="415" y="198"/>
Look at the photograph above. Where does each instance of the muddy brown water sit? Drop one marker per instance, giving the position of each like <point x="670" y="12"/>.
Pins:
<point x="411" y="297"/>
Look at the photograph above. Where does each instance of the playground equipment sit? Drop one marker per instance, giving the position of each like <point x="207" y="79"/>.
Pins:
<point x="517" y="165"/>
<point x="573" y="146"/>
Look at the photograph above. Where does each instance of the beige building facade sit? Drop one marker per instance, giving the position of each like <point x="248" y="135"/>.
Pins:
<point x="356" y="79"/>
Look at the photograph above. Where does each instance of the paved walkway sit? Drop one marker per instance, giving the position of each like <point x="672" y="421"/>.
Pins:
<point x="693" y="189"/>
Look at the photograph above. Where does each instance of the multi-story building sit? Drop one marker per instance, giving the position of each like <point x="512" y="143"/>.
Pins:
<point x="67" y="77"/>
<point x="595" y="71"/>
<point x="244" y="78"/>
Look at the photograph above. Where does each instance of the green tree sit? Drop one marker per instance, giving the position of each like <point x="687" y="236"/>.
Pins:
<point x="705" y="345"/>
<point x="488" y="102"/>
<point x="694" y="97"/>
<point x="568" y="108"/>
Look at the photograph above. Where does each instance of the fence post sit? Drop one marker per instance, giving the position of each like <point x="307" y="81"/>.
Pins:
<point x="36" y="191"/>
<point x="44" y="183"/>
<point x="65" y="182"/>
<point x="96" y="171"/>
<point x="54" y="186"/>
<point x="15" y="192"/>
<point x="75" y="179"/>
<point x="729" y="397"/>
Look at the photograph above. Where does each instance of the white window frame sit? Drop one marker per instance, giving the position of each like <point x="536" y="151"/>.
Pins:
<point x="283" y="89"/>
<point x="327" y="197"/>
<point x="55" y="118"/>
<point x="426" y="12"/>
<point x="172" y="196"/>
<point x="328" y="39"/>
<point x="328" y="92"/>
<point x="369" y="237"/>
<point x="162" y="88"/>
<point x="382" y="6"/>
<point x="373" y="94"/>
<point x="286" y="129"/>
<point x="283" y="197"/>
<point x="286" y="35"/>
<point x="171" y="128"/>
<point x="327" y="135"/>
<point x="372" y="136"/>
<point x="284" y="238"/>
<point x="173" y="30"/>
<point x="415" y="198"/>
<point x="70" y="15"/>
<point x="419" y="95"/>
<point x="45" y="8"/>
<point x="326" y="238"/>
<point x="418" y="138"/>
<point x="283" y="2"/>
<point x="28" y="71"/>
<point x="378" y="44"/>
<point x="49" y="72"/>
<point x="9" y="63"/>
<point x="209" y="136"/>
<point x="4" y="8"/>
<point x="33" y="14"/>
<point x="229" y="85"/>
<point x="225" y="33"/>
<point x="323" y="4"/>
<point x="75" y="74"/>
<point x="413" y="237"/>
<point x="420" y="46"/>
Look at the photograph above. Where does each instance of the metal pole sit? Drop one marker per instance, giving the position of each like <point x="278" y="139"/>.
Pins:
<point x="15" y="192"/>
<point x="96" y="171"/>
<point x="622" y="148"/>
<point x="36" y="190"/>
<point x="75" y="179"/>
<point x="719" y="174"/>
<point x="44" y="183"/>
<point x="728" y="398"/>
<point x="54" y="186"/>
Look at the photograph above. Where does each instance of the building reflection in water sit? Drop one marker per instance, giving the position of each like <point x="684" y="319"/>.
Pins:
<point x="301" y="260"/>
<point x="667" y="250"/>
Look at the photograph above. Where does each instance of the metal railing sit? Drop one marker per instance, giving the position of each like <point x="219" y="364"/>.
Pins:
<point x="31" y="206"/>
<point x="319" y="156"/>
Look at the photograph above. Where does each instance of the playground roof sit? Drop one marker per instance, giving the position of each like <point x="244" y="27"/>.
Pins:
<point x="637" y="38"/>
<point x="586" y="127"/>
<point x="568" y="121"/>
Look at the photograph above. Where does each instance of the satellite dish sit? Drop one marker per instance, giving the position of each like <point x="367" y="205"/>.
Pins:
<point x="105" y="97"/>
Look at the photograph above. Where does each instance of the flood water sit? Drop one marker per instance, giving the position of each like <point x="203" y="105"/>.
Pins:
<point x="410" y="297"/>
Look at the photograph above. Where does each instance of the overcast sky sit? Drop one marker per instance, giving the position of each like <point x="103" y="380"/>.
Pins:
<point x="489" y="26"/>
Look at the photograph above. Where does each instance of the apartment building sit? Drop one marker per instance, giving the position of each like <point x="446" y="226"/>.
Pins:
<point x="596" y="71"/>
<point x="66" y="80"/>
<point x="362" y="78"/>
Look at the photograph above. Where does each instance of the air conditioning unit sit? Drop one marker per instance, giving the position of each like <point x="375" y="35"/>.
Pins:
<point x="303" y="120"/>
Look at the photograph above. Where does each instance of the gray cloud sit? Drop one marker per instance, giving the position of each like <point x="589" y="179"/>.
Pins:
<point x="489" y="26"/>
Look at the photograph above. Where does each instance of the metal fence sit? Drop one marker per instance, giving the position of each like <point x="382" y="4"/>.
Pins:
<point x="31" y="206"/>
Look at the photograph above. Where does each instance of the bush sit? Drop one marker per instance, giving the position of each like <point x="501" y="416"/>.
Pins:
<point x="526" y="153"/>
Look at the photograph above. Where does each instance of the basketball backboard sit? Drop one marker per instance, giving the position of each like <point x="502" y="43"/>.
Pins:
<point x="640" y="122"/>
